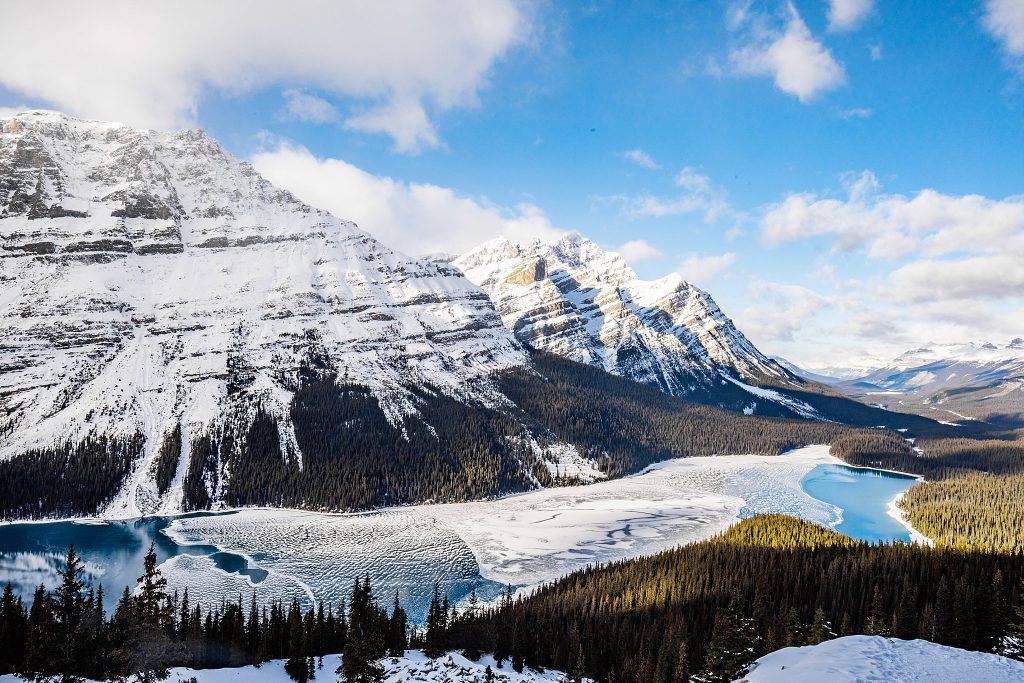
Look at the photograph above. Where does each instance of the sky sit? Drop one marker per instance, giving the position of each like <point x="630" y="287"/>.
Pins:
<point x="845" y="177"/>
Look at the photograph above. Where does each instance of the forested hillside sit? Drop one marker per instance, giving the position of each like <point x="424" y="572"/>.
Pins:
<point x="710" y="608"/>
<point x="974" y="493"/>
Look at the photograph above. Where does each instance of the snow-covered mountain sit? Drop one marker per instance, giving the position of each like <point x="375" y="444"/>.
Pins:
<point x="574" y="299"/>
<point x="951" y="382"/>
<point x="150" y="280"/>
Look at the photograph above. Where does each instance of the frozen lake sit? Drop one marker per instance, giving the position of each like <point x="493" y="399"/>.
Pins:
<point x="520" y="540"/>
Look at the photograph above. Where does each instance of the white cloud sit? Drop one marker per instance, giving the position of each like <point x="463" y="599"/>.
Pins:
<point x="893" y="226"/>
<point x="990" y="277"/>
<point x="779" y="310"/>
<point x="856" y="113"/>
<point x="415" y="218"/>
<point x="701" y="269"/>
<point x="303" y="106"/>
<point x="846" y="15"/>
<point x="641" y="159"/>
<point x="698" y="194"/>
<point x="151" y="63"/>
<point x="638" y="251"/>
<point x="1004" y="19"/>
<point x="875" y="52"/>
<point x="799" y="64"/>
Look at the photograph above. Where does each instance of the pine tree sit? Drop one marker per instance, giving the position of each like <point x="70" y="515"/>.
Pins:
<point x="1012" y="644"/>
<point x="13" y="629"/>
<point x="396" y="629"/>
<point x="877" y="623"/>
<point x="296" y="667"/>
<point x="905" y="622"/>
<point x="437" y="624"/>
<point x="731" y="649"/>
<point x="821" y="630"/>
<point x="145" y="622"/>
<point x="365" y="642"/>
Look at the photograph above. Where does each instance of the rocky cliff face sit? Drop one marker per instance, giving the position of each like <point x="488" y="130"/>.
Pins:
<point x="578" y="301"/>
<point x="150" y="280"/>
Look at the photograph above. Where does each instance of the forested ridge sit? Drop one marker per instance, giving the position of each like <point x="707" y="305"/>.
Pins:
<point x="701" y="613"/>
<point x="973" y="496"/>
<point x="708" y="609"/>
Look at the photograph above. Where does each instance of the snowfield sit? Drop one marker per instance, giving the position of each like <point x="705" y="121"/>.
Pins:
<point x="873" y="659"/>
<point x="521" y="540"/>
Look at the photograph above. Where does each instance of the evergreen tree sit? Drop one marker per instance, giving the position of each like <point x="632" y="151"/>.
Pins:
<point x="821" y="630"/>
<point x="296" y="667"/>
<point x="364" y="645"/>
<point x="13" y="630"/>
<point x="145" y="623"/>
<point x="877" y="623"/>
<point x="731" y="649"/>
<point x="396" y="629"/>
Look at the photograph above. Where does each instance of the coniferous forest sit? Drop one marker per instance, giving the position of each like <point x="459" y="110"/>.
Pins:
<point x="701" y="612"/>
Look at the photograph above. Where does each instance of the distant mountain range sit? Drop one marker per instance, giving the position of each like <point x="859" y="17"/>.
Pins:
<point x="953" y="383"/>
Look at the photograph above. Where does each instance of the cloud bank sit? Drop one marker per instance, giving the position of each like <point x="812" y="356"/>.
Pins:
<point x="151" y="64"/>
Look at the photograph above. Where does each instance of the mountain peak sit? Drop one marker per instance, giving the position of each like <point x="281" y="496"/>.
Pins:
<point x="575" y="299"/>
<point x="153" y="282"/>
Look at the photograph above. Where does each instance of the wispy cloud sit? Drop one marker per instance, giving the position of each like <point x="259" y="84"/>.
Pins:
<point x="641" y="159"/>
<point x="303" y="106"/>
<point x="702" y="268"/>
<point x="847" y="15"/>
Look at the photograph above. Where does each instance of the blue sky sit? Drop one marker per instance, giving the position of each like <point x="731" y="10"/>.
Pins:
<point x="844" y="176"/>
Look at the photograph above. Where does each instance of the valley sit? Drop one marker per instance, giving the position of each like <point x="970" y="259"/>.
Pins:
<point x="523" y="540"/>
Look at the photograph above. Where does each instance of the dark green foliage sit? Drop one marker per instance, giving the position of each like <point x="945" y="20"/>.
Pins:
<point x="626" y="425"/>
<point x="167" y="459"/>
<point x="766" y="581"/>
<point x="66" y="634"/>
<point x="66" y="481"/>
<point x="354" y="458"/>
<point x="201" y="476"/>
<point x="367" y="629"/>
<point x="975" y="493"/>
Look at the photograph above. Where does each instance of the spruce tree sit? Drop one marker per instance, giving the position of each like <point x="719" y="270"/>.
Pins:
<point x="365" y="642"/>
<point x="731" y="649"/>
<point x="146" y="621"/>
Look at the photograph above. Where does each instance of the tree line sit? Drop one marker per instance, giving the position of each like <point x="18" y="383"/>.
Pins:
<point x="67" y="634"/>
<point x="701" y="612"/>
<point x="705" y="611"/>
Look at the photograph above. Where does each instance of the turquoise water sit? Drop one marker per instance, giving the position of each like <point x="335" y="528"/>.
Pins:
<point x="863" y="495"/>
<point x="31" y="553"/>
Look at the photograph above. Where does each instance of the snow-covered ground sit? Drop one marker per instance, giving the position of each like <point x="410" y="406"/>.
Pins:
<point x="413" y="668"/>
<point x="524" y="539"/>
<point x="873" y="659"/>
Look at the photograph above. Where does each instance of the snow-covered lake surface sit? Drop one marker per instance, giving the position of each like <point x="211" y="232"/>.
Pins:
<point x="520" y="540"/>
<point x="414" y="667"/>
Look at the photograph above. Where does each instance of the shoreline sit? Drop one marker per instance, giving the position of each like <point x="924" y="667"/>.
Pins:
<point x="896" y="512"/>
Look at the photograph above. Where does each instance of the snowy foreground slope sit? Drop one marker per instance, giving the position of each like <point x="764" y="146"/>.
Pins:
<point x="414" y="667"/>
<point x="150" y="280"/>
<point x="873" y="659"/>
<point x="576" y="300"/>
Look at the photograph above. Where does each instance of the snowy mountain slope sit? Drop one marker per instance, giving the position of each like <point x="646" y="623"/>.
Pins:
<point x="576" y="300"/>
<point x="867" y="659"/>
<point x="954" y="383"/>
<point x="150" y="280"/>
